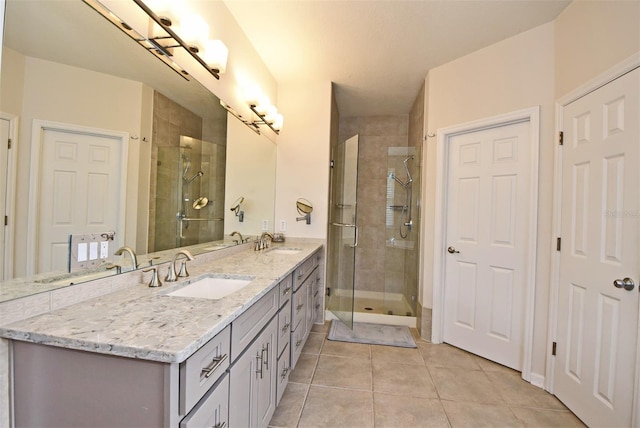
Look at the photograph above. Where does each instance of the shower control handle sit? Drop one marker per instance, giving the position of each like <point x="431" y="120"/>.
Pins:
<point x="452" y="250"/>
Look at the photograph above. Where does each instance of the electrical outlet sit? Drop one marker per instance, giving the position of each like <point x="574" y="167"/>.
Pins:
<point x="104" y="249"/>
<point x="283" y="225"/>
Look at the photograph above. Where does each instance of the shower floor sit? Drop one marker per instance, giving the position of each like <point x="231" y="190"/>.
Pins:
<point x="390" y="305"/>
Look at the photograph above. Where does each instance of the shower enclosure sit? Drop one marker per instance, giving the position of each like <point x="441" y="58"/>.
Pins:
<point x="189" y="194"/>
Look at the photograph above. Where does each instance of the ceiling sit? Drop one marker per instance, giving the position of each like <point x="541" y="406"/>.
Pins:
<point x="378" y="52"/>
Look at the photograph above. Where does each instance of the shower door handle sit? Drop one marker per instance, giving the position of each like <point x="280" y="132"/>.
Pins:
<point x="355" y="243"/>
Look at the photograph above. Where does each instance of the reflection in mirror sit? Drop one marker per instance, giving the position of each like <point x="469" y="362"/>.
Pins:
<point x="305" y="208"/>
<point x="64" y="63"/>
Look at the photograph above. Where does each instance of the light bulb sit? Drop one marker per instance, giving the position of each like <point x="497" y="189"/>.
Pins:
<point x="277" y="122"/>
<point x="270" y="114"/>
<point x="193" y="30"/>
<point x="215" y="55"/>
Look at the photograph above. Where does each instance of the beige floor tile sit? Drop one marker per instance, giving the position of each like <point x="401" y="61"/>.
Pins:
<point x="392" y="354"/>
<point x="305" y="367"/>
<point x="343" y="372"/>
<point x="479" y="415"/>
<point x="547" y="418"/>
<point x="403" y="379"/>
<point x="345" y="349"/>
<point x="490" y="366"/>
<point x="314" y="343"/>
<point x="290" y="407"/>
<point x="456" y="384"/>
<point x="443" y="355"/>
<point x="321" y="328"/>
<point x="398" y="411"/>
<point x="517" y="392"/>
<point x="332" y="407"/>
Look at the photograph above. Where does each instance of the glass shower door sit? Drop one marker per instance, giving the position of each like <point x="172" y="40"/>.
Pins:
<point x="343" y="231"/>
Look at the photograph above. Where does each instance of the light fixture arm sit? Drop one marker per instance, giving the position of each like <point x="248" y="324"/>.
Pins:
<point x="264" y="121"/>
<point x="214" y="72"/>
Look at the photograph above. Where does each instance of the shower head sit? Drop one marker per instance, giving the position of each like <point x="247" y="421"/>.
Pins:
<point x="198" y="174"/>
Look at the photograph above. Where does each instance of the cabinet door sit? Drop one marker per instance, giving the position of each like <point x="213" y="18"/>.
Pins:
<point x="252" y="390"/>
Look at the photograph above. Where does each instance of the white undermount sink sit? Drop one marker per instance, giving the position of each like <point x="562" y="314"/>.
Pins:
<point x="211" y="287"/>
<point x="283" y="250"/>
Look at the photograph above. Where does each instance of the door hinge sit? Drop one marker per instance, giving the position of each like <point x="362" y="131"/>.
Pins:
<point x="561" y="138"/>
<point x="328" y="291"/>
<point x="331" y="164"/>
<point x="558" y="244"/>
<point x="9" y="143"/>
<point x="6" y="220"/>
<point x="553" y="348"/>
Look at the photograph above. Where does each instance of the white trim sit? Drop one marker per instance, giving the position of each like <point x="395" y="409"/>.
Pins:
<point x="376" y="319"/>
<point x="37" y="129"/>
<point x="12" y="168"/>
<point x="531" y="115"/>
<point x="608" y="76"/>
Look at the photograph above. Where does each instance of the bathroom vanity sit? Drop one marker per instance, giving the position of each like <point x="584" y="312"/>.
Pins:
<point x="140" y="357"/>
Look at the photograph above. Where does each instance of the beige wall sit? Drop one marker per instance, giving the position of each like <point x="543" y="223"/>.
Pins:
<point x="511" y="75"/>
<point x="303" y="157"/>
<point x="592" y="36"/>
<point x="60" y="93"/>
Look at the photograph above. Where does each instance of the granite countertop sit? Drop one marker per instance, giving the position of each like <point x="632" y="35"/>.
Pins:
<point x="142" y="322"/>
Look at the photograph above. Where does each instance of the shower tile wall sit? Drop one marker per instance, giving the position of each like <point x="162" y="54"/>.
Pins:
<point x="376" y="135"/>
<point x="170" y="120"/>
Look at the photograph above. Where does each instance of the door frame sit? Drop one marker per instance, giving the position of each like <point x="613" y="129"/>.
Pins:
<point x="599" y="81"/>
<point x="37" y="129"/>
<point x="531" y="115"/>
<point x="12" y="168"/>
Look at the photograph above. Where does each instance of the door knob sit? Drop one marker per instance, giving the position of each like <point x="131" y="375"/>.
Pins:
<point x="626" y="283"/>
<point x="452" y="250"/>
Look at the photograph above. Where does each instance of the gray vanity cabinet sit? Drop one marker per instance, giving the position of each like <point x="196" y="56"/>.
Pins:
<point x="213" y="410"/>
<point x="252" y="391"/>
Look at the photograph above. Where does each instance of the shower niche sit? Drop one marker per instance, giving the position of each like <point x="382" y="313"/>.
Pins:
<point x="189" y="194"/>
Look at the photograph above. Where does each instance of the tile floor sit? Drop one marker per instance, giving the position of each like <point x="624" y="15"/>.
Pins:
<point x="337" y="384"/>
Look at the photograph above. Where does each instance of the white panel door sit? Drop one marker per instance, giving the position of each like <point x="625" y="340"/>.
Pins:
<point x="4" y="193"/>
<point x="79" y="192"/>
<point x="597" y="322"/>
<point x="488" y="206"/>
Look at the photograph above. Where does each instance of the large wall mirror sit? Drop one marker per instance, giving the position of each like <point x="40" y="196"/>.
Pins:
<point x="180" y="161"/>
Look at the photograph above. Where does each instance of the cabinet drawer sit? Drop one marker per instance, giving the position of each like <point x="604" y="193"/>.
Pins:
<point x="284" y="326"/>
<point x="304" y="270"/>
<point x="247" y="326"/>
<point x="213" y="411"/>
<point x="201" y="370"/>
<point x="283" y="374"/>
<point x="299" y="304"/>
<point x="286" y="290"/>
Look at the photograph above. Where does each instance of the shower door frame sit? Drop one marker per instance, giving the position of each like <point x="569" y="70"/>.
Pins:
<point x="339" y="225"/>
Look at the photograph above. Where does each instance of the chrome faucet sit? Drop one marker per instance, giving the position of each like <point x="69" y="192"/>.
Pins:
<point x="236" y="233"/>
<point x="171" y="275"/>
<point x="132" y="256"/>
<point x="264" y="241"/>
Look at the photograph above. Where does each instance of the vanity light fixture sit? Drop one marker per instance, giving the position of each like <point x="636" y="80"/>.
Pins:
<point x="270" y="117"/>
<point x="171" y="28"/>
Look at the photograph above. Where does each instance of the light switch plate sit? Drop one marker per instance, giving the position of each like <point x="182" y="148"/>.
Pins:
<point x="88" y="250"/>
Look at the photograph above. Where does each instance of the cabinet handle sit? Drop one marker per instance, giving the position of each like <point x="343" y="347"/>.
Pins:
<point x="317" y="305"/>
<point x="259" y="364"/>
<point x="285" y="327"/>
<point x="286" y="291"/>
<point x="300" y="306"/>
<point x="266" y="359"/>
<point x="284" y="373"/>
<point x="315" y="294"/>
<point x="298" y="343"/>
<point x="215" y="363"/>
<point x="220" y="425"/>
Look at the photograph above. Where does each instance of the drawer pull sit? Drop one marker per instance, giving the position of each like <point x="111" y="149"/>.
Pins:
<point x="259" y="364"/>
<point x="300" y="306"/>
<point x="317" y="305"/>
<point x="284" y="373"/>
<point x="285" y="327"/>
<point x="220" y="425"/>
<point x="298" y="343"/>
<point x="266" y="359"/>
<point x="215" y="363"/>
<point x="316" y="293"/>
<point x="286" y="291"/>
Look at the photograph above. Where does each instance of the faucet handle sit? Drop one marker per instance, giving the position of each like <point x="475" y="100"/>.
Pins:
<point x="171" y="273"/>
<point x="155" y="280"/>
<point x="183" y="270"/>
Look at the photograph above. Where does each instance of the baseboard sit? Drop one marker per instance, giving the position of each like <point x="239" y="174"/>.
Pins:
<point x="537" y="380"/>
